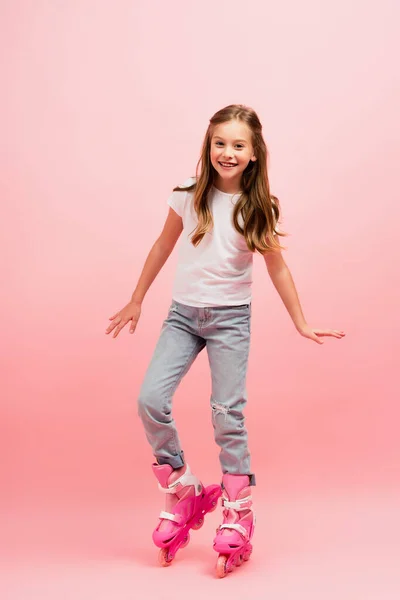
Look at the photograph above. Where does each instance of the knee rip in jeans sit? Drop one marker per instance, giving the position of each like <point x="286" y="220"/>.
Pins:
<point x="220" y="408"/>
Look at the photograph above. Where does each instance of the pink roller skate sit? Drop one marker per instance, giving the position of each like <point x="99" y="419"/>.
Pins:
<point x="233" y="536"/>
<point x="187" y="502"/>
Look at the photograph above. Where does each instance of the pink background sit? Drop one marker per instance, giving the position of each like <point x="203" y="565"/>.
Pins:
<point x="103" y="111"/>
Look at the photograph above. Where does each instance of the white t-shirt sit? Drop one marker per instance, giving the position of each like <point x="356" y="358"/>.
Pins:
<point x="218" y="272"/>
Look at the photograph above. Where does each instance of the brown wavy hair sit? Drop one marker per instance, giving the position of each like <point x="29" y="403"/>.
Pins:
<point x="258" y="208"/>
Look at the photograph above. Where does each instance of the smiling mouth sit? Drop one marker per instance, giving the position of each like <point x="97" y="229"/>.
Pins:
<point x="227" y="164"/>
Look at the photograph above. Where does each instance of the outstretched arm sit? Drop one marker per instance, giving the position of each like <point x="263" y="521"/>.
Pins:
<point x="155" y="260"/>
<point x="282" y="279"/>
<point x="158" y="255"/>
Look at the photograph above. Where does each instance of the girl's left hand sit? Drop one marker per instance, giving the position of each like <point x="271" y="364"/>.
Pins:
<point x="316" y="334"/>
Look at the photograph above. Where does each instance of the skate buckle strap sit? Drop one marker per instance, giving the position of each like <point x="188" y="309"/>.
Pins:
<point x="170" y="517"/>
<point x="243" y="532"/>
<point x="242" y="504"/>
<point x="184" y="480"/>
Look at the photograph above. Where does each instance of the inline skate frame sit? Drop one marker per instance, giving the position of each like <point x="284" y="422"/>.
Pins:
<point x="233" y="539"/>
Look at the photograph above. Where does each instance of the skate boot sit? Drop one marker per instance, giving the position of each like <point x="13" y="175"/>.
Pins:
<point x="233" y="536"/>
<point x="187" y="501"/>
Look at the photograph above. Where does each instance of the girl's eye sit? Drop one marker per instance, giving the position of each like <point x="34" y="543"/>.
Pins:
<point x="238" y="145"/>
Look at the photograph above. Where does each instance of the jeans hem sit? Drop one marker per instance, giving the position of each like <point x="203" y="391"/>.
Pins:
<point x="176" y="462"/>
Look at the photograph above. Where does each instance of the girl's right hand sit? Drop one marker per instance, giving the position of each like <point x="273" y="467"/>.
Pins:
<point x="130" y="312"/>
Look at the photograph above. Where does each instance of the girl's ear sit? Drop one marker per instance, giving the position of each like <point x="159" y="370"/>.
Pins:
<point x="253" y="158"/>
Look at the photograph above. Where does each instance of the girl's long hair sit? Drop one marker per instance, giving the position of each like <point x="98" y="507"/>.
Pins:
<point x="258" y="208"/>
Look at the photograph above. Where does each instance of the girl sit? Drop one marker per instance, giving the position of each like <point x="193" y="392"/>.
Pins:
<point x="226" y="213"/>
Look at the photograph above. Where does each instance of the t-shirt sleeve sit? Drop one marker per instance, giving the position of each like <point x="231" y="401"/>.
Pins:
<point x="177" y="202"/>
<point x="177" y="199"/>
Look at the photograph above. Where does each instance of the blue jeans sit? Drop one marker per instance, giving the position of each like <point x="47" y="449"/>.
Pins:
<point x="225" y="331"/>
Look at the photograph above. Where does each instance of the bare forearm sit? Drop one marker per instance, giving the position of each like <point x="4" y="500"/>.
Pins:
<point x="154" y="262"/>
<point x="284" y="285"/>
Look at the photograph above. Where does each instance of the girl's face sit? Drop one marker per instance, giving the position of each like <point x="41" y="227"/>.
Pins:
<point x="230" y="145"/>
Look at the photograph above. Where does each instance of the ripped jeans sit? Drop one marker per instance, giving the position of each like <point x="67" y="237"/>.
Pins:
<point x="225" y="331"/>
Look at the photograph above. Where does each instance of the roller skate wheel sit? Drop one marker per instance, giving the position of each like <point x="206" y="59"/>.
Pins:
<point x="239" y="560"/>
<point x="198" y="524"/>
<point x="247" y="555"/>
<point x="214" y="505"/>
<point x="221" y="566"/>
<point x="164" y="558"/>
<point x="185" y="541"/>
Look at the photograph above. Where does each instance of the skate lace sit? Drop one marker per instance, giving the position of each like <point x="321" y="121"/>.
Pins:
<point x="237" y="527"/>
<point x="241" y="504"/>
<point x="237" y="505"/>
<point x="177" y="518"/>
